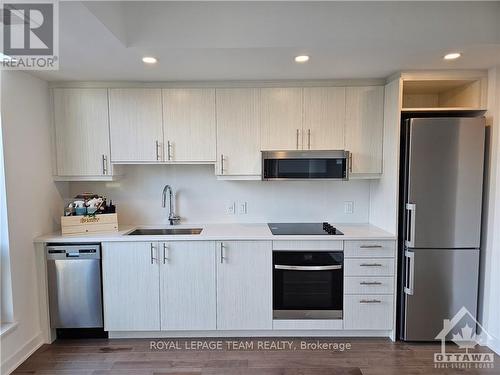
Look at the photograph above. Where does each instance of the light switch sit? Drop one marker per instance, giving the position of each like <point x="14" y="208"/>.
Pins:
<point x="231" y="208"/>
<point x="348" y="207"/>
<point x="242" y="208"/>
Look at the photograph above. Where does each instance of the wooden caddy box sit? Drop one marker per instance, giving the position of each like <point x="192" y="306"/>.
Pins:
<point x="89" y="224"/>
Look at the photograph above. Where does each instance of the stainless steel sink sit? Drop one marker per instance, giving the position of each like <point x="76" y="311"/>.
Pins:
<point x="165" y="232"/>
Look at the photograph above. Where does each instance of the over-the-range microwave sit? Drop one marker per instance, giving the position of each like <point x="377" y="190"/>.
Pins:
<point x="305" y="165"/>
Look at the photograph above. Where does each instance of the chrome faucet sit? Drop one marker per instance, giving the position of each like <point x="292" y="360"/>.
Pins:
<point x="172" y="217"/>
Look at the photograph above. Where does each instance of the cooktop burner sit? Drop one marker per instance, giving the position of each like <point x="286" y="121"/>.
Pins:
<point x="307" y="229"/>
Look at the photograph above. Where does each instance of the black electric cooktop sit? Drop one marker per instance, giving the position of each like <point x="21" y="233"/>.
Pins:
<point x="307" y="229"/>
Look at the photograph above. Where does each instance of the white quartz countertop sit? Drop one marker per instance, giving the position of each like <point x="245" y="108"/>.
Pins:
<point x="222" y="232"/>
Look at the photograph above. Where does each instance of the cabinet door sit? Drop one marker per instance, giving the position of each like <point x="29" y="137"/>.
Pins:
<point x="81" y="132"/>
<point x="324" y="118"/>
<point x="187" y="285"/>
<point x="189" y="124"/>
<point x="281" y="120"/>
<point x="364" y="128"/>
<point x="238" y="133"/>
<point x="130" y="273"/>
<point x="244" y="285"/>
<point x="136" y="125"/>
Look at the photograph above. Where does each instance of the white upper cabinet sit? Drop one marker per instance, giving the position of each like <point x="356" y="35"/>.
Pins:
<point x="136" y="125"/>
<point x="244" y="285"/>
<point x="81" y="133"/>
<point x="238" y="132"/>
<point x="364" y="128"/>
<point x="189" y="125"/>
<point x="281" y="119"/>
<point x="324" y="118"/>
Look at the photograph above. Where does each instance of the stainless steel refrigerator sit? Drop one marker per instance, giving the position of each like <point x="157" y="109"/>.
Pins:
<point x="440" y="222"/>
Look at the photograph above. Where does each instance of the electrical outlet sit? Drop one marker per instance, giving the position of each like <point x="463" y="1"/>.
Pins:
<point x="348" y="207"/>
<point x="231" y="208"/>
<point x="242" y="210"/>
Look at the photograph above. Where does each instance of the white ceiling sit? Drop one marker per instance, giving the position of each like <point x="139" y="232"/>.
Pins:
<point x="258" y="40"/>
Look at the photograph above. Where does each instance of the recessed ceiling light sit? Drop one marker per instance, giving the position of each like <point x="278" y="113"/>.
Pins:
<point x="301" y="58"/>
<point x="452" y="56"/>
<point x="149" y="60"/>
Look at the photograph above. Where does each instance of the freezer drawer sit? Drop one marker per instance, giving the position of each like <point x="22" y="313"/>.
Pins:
<point x="439" y="282"/>
<point x="74" y="282"/>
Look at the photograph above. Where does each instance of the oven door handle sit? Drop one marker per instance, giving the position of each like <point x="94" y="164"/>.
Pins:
<point x="307" y="268"/>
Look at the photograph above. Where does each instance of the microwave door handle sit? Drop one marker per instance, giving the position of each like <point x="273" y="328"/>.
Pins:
<point x="307" y="268"/>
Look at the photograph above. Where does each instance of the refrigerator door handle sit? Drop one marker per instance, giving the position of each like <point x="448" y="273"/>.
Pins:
<point x="410" y="272"/>
<point x="411" y="209"/>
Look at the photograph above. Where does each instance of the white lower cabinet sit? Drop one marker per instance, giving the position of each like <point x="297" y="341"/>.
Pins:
<point x="131" y="290"/>
<point x="187" y="285"/>
<point x="369" y="274"/>
<point x="369" y="312"/>
<point x="244" y="285"/>
<point x="227" y="285"/>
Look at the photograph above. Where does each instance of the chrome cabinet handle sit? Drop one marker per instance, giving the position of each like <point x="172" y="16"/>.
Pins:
<point x="153" y="259"/>
<point x="169" y="147"/>
<point x="157" y="150"/>
<point x="104" y="164"/>
<point x="165" y="253"/>
<point x="411" y="209"/>
<point x="370" y="283"/>
<point x="221" y="164"/>
<point x="410" y="272"/>
<point x="350" y="162"/>
<point x="222" y="257"/>
<point x="370" y="301"/>
<point x="309" y="139"/>
<point x="370" y="265"/>
<point x="307" y="268"/>
<point x="297" y="134"/>
<point x="370" y="246"/>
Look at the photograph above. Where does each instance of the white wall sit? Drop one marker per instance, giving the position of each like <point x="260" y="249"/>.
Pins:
<point x="203" y="199"/>
<point x="33" y="201"/>
<point x="489" y="298"/>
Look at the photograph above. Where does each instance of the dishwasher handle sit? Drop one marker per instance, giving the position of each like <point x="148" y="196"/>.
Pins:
<point x="73" y="251"/>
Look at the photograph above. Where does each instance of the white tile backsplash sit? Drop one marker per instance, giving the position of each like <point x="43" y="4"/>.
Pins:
<point x="201" y="198"/>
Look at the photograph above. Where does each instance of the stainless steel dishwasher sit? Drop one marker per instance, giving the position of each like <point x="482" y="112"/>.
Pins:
<point x="74" y="282"/>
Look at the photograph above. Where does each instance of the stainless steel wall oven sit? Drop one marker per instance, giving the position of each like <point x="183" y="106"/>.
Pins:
<point x="308" y="284"/>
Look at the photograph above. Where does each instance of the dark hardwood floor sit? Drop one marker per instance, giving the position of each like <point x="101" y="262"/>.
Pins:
<point x="135" y="356"/>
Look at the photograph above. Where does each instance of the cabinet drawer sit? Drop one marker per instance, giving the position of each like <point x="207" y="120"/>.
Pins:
<point x="362" y="249"/>
<point x="368" y="285"/>
<point x="309" y="245"/>
<point x="374" y="311"/>
<point x="369" y="267"/>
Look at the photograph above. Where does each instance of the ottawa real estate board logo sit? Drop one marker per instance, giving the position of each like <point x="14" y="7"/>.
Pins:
<point x="461" y="329"/>
<point x="30" y="35"/>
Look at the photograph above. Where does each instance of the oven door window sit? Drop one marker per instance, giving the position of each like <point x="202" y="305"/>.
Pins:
<point x="315" y="284"/>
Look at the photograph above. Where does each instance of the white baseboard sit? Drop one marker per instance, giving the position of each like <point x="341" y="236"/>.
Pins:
<point x="11" y="363"/>
<point x="343" y="334"/>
